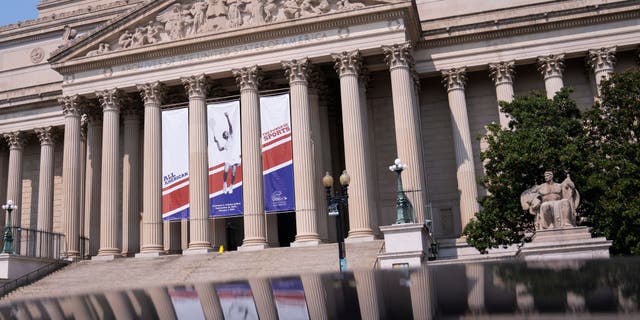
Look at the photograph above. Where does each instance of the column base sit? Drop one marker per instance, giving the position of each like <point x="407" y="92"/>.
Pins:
<point x="152" y="254"/>
<point x="106" y="257"/>
<point x="194" y="251"/>
<point x="356" y="239"/>
<point x="253" y="247"/>
<point x="306" y="243"/>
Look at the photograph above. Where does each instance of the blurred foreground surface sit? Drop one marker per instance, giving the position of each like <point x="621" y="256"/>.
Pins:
<point x="555" y="289"/>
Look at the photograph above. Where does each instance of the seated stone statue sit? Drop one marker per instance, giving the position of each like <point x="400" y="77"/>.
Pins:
<point x="553" y="204"/>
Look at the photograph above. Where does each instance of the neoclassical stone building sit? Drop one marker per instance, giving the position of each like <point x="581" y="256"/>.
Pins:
<point x="82" y="88"/>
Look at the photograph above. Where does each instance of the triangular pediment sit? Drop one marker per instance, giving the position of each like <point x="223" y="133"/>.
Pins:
<point x="165" y="21"/>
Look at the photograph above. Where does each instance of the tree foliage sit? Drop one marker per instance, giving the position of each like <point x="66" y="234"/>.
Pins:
<point x="612" y="195"/>
<point x="598" y="148"/>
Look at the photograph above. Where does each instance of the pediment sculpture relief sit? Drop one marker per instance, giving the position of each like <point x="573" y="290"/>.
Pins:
<point x="189" y="18"/>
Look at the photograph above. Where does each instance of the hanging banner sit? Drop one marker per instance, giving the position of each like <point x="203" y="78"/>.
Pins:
<point x="225" y="169"/>
<point x="175" y="164"/>
<point x="236" y="301"/>
<point x="225" y="164"/>
<point x="186" y="303"/>
<point x="277" y="153"/>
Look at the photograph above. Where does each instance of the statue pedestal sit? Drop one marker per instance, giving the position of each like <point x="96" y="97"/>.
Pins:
<point x="566" y="243"/>
<point x="406" y="245"/>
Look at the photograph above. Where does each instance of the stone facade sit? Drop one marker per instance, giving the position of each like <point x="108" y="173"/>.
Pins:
<point x="382" y="66"/>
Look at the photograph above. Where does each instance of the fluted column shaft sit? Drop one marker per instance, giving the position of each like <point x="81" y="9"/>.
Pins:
<point x="372" y="188"/>
<point x="265" y="304"/>
<point x="209" y="301"/>
<point x="502" y="74"/>
<point x="71" y="175"/>
<point x="83" y="181"/>
<point x="131" y="182"/>
<point x="602" y="62"/>
<point x="4" y="174"/>
<point x="369" y="296"/>
<point x="196" y="87"/>
<point x="318" y="144"/>
<point x="110" y="220"/>
<point x="348" y="65"/>
<point x="162" y="303"/>
<point x="408" y="136"/>
<point x="475" y="283"/>
<point x="304" y="174"/>
<point x="551" y="68"/>
<point x="252" y="182"/>
<point x="14" y="179"/>
<point x="315" y="295"/>
<point x="422" y="294"/>
<point x="152" y="227"/>
<point x="454" y="81"/>
<point x="45" y="187"/>
<point x="93" y="181"/>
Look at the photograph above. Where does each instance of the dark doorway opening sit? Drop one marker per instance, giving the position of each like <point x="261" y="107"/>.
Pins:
<point x="286" y="228"/>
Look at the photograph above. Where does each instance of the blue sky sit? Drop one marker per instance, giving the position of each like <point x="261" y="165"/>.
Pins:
<point x="17" y="10"/>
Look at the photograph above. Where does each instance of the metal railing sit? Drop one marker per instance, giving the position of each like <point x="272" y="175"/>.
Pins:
<point x="36" y="243"/>
<point x="31" y="277"/>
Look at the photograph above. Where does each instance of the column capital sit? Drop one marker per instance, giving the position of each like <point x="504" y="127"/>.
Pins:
<point x="347" y="62"/>
<point x="247" y="78"/>
<point x="551" y="65"/>
<point x="152" y="92"/>
<point x="196" y="86"/>
<point x="602" y="59"/>
<point x="454" y="78"/>
<point x="71" y="105"/>
<point x="398" y="55"/>
<point x="502" y="72"/>
<point x="110" y="100"/>
<point x="93" y="113"/>
<point x="45" y="135"/>
<point x="297" y="70"/>
<point x="15" y="140"/>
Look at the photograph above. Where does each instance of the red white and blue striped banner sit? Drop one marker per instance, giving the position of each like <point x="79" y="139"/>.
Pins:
<point x="288" y="295"/>
<point x="225" y="167"/>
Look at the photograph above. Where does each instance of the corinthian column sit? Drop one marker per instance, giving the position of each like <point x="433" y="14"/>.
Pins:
<point x="152" y="229"/>
<point x="454" y="80"/>
<point x="71" y="175"/>
<point x="14" y="180"/>
<point x="405" y="112"/>
<point x="602" y="62"/>
<point x="131" y="180"/>
<point x="252" y="188"/>
<point x="315" y="83"/>
<point x="502" y="75"/>
<point x="45" y="187"/>
<point x="348" y="66"/>
<point x="304" y="174"/>
<point x="196" y="87"/>
<point x="551" y="68"/>
<point x="93" y="179"/>
<point x="110" y="220"/>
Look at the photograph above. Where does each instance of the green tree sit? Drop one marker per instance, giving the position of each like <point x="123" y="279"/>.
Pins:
<point x="542" y="134"/>
<point x="612" y="194"/>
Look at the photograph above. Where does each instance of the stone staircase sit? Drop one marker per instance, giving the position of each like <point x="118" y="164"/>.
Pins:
<point x="127" y="273"/>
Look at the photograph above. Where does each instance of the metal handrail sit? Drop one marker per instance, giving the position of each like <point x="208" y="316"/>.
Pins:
<point x="37" y="243"/>
<point x="31" y="277"/>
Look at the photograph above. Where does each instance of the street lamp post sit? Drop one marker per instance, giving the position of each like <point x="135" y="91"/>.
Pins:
<point x="8" y="236"/>
<point x="403" y="205"/>
<point x="334" y="203"/>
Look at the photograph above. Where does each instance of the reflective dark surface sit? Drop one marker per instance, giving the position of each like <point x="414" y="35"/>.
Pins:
<point x="556" y="289"/>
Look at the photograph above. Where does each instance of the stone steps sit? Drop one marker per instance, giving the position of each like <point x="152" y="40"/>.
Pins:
<point x="90" y="276"/>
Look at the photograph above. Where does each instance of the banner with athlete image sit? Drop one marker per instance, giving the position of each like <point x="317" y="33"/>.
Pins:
<point x="175" y="164"/>
<point x="225" y="169"/>
<point x="277" y="153"/>
<point x="224" y="153"/>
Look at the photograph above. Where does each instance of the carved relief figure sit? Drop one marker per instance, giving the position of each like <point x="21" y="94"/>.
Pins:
<point x="217" y="8"/>
<point x="126" y="39"/>
<point x="199" y="14"/>
<point x="291" y="9"/>
<point x="553" y="204"/>
<point x="137" y="40"/>
<point x="152" y="33"/>
<point x="174" y="22"/>
<point x="257" y="11"/>
<point x="102" y="48"/>
<point x="346" y="5"/>
<point x="270" y="11"/>
<point x="235" y="13"/>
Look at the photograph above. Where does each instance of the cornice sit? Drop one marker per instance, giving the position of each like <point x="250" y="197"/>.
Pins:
<point x="240" y="36"/>
<point x="36" y="28"/>
<point x="534" y="23"/>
